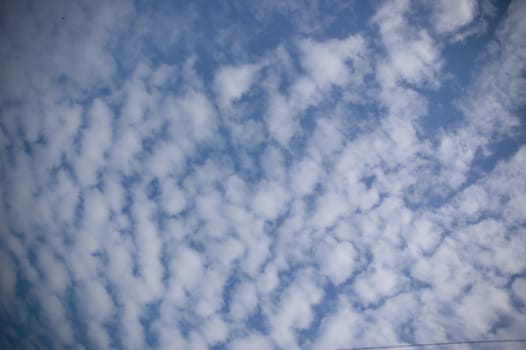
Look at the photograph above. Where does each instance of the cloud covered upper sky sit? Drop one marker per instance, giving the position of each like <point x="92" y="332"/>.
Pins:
<point x="261" y="175"/>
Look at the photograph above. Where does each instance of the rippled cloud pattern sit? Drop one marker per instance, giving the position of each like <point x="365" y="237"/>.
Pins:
<point x="261" y="174"/>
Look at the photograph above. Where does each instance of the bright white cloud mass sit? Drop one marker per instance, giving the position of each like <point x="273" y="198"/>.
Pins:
<point x="261" y="175"/>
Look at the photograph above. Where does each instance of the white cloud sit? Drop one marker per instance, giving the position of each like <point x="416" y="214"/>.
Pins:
<point x="377" y="284"/>
<point x="273" y="164"/>
<point x="412" y="55"/>
<point x="56" y="276"/>
<point x="236" y="190"/>
<point x="294" y="311"/>
<point x="244" y="301"/>
<point x="54" y="312"/>
<point x="337" y="261"/>
<point x="187" y="268"/>
<point x="269" y="200"/>
<point x="305" y="176"/>
<point x="496" y="304"/>
<point x="232" y="82"/>
<point x="327" y="62"/>
<point x="450" y="15"/>
<point x="95" y="142"/>
<point x="328" y="139"/>
<point x="251" y="341"/>
<point x="215" y="330"/>
<point x="168" y="160"/>
<point x="280" y="123"/>
<point x="196" y="111"/>
<point x="340" y="329"/>
<point x="330" y="207"/>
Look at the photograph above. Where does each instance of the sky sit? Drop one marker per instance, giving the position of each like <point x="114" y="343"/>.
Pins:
<point x="261" y="174"/>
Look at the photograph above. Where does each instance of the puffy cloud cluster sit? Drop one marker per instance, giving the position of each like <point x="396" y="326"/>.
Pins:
<point x="294" y="196"/>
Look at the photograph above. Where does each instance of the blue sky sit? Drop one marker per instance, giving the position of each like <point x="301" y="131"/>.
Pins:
<point x="261" y="175"/>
